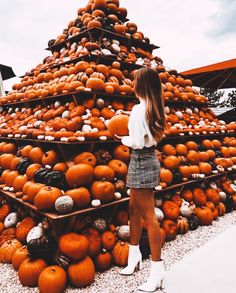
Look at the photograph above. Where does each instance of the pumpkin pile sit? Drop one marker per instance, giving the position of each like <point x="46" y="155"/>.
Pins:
<point x="44" y="179"/>
<point x="182" y="162"/>
<point x="96" y="243"/>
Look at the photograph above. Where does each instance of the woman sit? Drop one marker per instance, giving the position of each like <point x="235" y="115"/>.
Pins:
<point x="146" y="125"/>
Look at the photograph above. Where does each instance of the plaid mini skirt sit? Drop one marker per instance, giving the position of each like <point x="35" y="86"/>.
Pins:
<point x="144" y="169"/>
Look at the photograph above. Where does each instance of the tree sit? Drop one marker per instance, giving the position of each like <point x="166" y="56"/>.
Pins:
<point x="231" y="102"/>
<point x="213" y="96"/>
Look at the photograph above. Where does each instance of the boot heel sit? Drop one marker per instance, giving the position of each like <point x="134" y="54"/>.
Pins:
<point x="162" y="284"/>
<point x="140" y="265"/>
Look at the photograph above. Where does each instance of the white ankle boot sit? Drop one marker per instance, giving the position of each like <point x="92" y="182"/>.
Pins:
<point x="156" y="278"/>
<point x="134" y="260"/>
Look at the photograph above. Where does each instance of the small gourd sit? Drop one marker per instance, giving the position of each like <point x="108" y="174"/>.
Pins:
<point x="99" y="224"/>
<point x="123" y="232"/>
<point x="185" y="211"/>
<point x="159" y="214"/>
<point x="64" y="204"/>
<point x="11" y="220"/>
<point x="35" y="233"/>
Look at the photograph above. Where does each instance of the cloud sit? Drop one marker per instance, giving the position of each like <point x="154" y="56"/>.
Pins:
<point x="224" y="21"/>
<point x="183" y="29"/>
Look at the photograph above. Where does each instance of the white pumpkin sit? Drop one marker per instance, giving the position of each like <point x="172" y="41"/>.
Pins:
<point x="159" y="214"/>
<point x="123" y="232"/>
<point x="11" y="220"/>
<point x="185" y="210"/>
<point x="213" y="185"/>
<point x="35" y="233"/>
<point x="96" y="202"/>
<point x="222" y="195"/>
<point x="233" y="187"/>
<point x="64" y="204"/>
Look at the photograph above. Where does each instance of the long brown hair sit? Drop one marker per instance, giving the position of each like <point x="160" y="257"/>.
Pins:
<point x="147" y="86"/>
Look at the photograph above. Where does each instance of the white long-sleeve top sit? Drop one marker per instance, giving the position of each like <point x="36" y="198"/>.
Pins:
<point x="139" y="133"/>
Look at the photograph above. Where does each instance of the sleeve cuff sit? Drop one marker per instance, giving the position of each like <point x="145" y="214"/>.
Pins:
<point x="126" y="141"/>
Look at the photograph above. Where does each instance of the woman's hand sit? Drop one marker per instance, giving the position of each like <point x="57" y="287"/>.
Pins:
<point x="118" y="137"/>
<point x="120" y="112"/>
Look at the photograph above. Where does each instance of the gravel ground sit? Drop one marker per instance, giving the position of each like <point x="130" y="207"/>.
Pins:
<point x="112" y="282"/>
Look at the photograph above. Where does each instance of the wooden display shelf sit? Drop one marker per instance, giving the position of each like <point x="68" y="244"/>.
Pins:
<point x="168" y="139"/>
<point x="71" y="96"/>
<point x="92" y="58"/>
<point x="95" y="33"/>
<point x="86" y="94"/>
<point x="191" y="182"/>
<point x="55" y="216"/>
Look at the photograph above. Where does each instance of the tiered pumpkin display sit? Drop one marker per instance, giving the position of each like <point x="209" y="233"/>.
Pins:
<point x="61" y="114"/>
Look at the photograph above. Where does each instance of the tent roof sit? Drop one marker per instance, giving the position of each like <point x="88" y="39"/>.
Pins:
<point x="6" y="72"/>
<point x="216" y="76"/>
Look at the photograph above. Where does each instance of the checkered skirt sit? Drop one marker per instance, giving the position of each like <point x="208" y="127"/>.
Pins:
<point x="144" y="169"/>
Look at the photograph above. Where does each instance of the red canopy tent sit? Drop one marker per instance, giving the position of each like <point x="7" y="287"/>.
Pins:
<point x="216" y="76"/>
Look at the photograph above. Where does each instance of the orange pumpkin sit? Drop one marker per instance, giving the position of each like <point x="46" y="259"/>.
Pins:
<point x="19" y="182"/>
<point x="81" y="197"/>
<point x="170" y="228"/>
<point x="36" y="155"/>
<point x="212" y="195"/>
<point x="191" y="145"/>
<point x="169" y="150"/>
<point x="30" y="270"/>
<point x="181" y="149"/>
<point x="166" y="176"/>
<point x="4" y="211"/>
<point x="199" y="197"/>
<point x="193" y="157"/>
<point x="95" y="241"/>
<point x="30" y="190"/>
<point x="120" y="253"/>
<point x="187" y="195"/>
<point x="8" y="249"/>
<point x="103" y="261"/>
<point x="205" y="168"/>
<point x="23" y="228"/>
<point x="122" y="153"/>
<point x="26" y="150"/>
<point x="31" y="170"/>
<point x="79" y="175"/>
<point x="85" y="158"/>
<point x="103" y="172"/>
<point x="82" y="273"/>
<point x="170" y="209"/>
<point x="19" y="256"/>
<point x="50" y="158"/>
<point x="205" y="215"/>
<point x="73" y="245"/>
<point x="52" y="279"/>
<point x="119" y="125"/>
<point x="108" y="240"/>
<point x="7" y="234"/>
<point x="46" y="197"/>
<point x="103" y="190"/>
<point x="171" y="162"/>
<point x="119" y="168"/>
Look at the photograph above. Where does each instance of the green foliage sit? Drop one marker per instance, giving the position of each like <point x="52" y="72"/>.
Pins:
<point x="214" y="97"/>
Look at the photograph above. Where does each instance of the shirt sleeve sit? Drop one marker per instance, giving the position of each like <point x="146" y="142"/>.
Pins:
<point x="137" y="132"/>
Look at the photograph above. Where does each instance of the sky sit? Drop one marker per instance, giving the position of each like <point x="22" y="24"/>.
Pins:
<point x="190" y="33"/>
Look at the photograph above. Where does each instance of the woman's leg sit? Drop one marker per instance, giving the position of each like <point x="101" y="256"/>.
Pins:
<point x="135" y="218"/>
<point x="144" y="199"/>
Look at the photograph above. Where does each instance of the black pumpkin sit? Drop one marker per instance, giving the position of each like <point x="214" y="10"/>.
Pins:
<point x="42" y="247"/>
<point x="229" y="203"/>
<point x="55" y="179"/>
<point x="177" y="177"/>
<point x="193" y="222"/>
<point x="23" y="165"/>
<point x="62" y="260"/>
<point x="39" y="175"/>
<point x="103" y="157"/>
